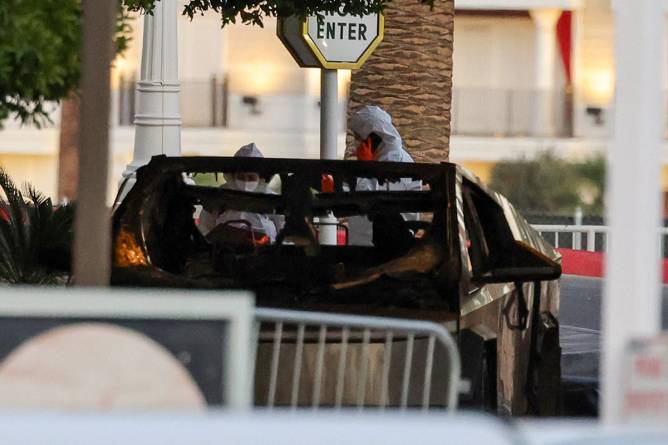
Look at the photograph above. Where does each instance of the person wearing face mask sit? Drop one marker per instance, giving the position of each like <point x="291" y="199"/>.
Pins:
<point x="246" y="182"/>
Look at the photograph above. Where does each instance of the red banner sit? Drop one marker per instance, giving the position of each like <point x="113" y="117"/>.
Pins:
<point x="565" y="39"/>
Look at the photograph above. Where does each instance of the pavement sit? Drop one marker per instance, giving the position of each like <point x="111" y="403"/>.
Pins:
<point x="581" y="302"/>
<point x="580" y="335"/>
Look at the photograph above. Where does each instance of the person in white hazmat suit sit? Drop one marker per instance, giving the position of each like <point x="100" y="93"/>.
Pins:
<point x="268" y="225"/>
<point x="378" y="140"/>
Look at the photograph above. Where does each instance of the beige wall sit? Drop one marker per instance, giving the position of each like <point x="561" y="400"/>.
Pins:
<point x="260" y="64"/>
<point x="201" y="47"/>
<point x="254" y="57"/>
<point x="38" y="170"/>
<point x="41" y="171"/>
<point x="493" y="52"/>
<point x="594" y="67"/>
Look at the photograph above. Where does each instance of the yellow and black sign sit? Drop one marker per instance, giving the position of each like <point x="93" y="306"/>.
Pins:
<point x="331" y="40"/>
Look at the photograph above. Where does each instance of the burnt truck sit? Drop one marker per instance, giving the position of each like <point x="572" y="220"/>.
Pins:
<point x="465" y="258"/>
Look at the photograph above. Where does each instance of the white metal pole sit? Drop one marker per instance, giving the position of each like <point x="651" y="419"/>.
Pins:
<point x="157" y="119"/>
<point x="632" y="304"/>
<point x="329" y="112"/>
<point x="577" y="221"/>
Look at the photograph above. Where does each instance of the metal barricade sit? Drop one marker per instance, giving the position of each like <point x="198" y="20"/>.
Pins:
<point x="576" y="237"/>
<point x="590" y="238"/>
<point x="313" y="359"/>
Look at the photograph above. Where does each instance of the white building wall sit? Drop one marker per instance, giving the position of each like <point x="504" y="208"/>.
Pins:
<point x="201" y="53"/>
<point x="493" y="58"/>
<point x="493" y="52"/>
<point x="259" y="64"/>
<point x="594" y="67"/>
<point x="201" y="43"/>
<point x="493" y="74"/>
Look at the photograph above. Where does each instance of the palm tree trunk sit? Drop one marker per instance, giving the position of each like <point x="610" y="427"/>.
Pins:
<point x="68" y="155"/>
<point x="410" y="76"/>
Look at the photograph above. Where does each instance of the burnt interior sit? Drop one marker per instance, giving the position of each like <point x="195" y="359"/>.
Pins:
<point x="408" y="261"/>
<point x="495" y="254"/>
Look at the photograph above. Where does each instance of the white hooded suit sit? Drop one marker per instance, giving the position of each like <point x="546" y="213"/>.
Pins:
<point x="372" y="119"/>
<point x="259" y="222"/>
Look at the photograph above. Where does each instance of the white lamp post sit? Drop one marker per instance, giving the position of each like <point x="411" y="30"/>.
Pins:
<point x="157" y="119"/>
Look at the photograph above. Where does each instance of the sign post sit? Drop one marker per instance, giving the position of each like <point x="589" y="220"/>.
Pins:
<point x="329" y="106"/>
<point x="330" y="41"/>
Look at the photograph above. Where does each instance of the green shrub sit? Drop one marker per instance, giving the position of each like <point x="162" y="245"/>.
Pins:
<point x="552" y="185"/>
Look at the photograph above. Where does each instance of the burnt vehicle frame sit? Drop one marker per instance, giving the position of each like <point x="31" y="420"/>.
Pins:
<point x="478" y="266"/>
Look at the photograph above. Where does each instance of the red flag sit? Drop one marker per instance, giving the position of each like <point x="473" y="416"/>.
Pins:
<point x="565" y="39"/>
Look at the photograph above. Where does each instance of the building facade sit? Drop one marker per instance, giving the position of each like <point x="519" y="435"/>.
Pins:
<point x="529" y="76"/>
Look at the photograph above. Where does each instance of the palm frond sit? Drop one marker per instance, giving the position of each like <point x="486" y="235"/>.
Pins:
<point x="35" y="237"/>
<point x="9" y="269"/>
<point x="15" y="233"/>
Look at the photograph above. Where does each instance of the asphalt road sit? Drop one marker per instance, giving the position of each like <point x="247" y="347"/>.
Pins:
<point x="581" y="302"/>
<point x="580" y="338"/>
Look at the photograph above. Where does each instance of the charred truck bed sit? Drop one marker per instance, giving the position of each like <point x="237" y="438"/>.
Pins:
<point x="157" y="242"/>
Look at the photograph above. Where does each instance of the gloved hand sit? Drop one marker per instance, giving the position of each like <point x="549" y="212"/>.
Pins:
<point x="327" y="185"/>
<point x="365" y="151"/>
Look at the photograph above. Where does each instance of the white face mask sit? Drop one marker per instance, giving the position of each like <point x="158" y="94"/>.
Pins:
<point x="246" y="186"/>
